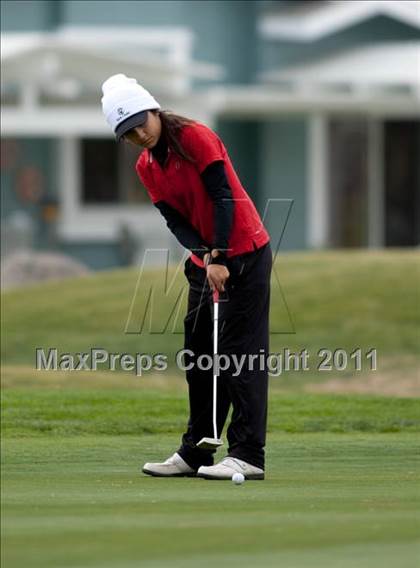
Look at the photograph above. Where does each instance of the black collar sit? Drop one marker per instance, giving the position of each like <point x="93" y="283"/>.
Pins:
<point x="160" y="151"/>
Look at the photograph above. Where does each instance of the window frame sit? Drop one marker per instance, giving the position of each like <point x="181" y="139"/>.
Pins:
<point x="79" y="221"/>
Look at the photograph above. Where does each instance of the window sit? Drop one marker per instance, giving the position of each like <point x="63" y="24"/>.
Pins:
<point x="109" y="175"/>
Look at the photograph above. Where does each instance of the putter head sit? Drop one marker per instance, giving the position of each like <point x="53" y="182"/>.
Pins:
<point x="209" y="443"/>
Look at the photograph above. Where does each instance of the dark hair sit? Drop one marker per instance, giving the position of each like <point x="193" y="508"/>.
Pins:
<point x="171" y="125"/>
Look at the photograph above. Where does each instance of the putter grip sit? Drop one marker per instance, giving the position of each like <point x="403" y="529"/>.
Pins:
<point x="216" y="296"/>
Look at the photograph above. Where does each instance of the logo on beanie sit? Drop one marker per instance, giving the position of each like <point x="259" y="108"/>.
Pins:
<point x="121" y="113"/>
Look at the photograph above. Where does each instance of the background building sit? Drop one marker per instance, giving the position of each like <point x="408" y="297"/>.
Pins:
<point x="318" y="104"/>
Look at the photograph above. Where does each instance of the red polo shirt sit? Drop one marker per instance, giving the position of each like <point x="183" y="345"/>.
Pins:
<point x="180" y="185"/>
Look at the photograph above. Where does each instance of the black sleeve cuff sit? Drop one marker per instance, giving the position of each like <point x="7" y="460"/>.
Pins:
<point x="221" y="258"/>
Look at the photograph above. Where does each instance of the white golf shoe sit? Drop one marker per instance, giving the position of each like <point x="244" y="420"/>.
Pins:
<point x="227" y="467"/>
<point x="174" y="466"/>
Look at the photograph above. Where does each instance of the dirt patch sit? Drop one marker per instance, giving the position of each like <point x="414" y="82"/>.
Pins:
<point x="22" y="376"/>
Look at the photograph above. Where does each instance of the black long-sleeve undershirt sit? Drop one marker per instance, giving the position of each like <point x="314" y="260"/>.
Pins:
<point x="216" y="184"/>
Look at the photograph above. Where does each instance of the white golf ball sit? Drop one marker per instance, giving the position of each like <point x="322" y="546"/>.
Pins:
<point x="238" y="478"/>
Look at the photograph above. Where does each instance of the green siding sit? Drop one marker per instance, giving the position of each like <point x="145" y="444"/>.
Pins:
<point x="284" y="162"/>
<point x="242" y="141"/>
<point x="26" y="15"/>
<point x="224" y="31"/>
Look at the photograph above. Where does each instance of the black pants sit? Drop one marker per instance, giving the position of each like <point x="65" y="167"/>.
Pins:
<point x="243" y="330"/>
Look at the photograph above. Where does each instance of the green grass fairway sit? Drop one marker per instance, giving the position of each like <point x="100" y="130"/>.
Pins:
<point x="341" y="488"/>
<point x="329" y="500"/>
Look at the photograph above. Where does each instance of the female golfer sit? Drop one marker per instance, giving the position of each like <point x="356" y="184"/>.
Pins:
<point x="190" y="178"/>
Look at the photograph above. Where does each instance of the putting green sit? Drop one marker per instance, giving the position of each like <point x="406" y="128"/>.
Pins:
<point x="339" y="500"/>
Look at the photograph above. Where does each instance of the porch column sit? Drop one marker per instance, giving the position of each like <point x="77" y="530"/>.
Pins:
<point x="317" y="210"/>
<point x="376" y="198"/>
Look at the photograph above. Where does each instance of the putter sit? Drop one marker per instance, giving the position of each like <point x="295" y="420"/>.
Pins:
<point x="215" y="442"/>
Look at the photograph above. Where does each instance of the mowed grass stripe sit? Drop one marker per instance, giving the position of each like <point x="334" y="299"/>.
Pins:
<point x="70" y="412"/>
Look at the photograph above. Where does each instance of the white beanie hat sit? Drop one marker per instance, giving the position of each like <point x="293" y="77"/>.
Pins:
<point x="125" y="102"/>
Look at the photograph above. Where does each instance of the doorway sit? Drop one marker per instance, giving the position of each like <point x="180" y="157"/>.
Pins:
<point x="402" y="183"/>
